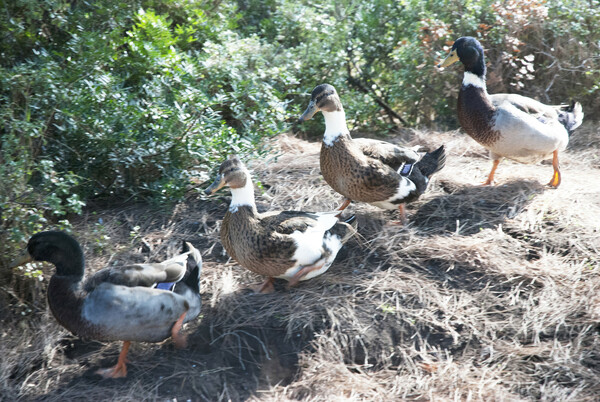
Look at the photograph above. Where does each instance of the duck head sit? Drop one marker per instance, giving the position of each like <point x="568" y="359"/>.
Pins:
<point x="323" y="98"/>
<point x="57" y="248"/>
<point x="232" y="173"/>
<point x="469" y="52"/>
<point x="193" y="266"/>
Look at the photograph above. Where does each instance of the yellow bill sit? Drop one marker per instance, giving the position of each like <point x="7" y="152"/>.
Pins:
<point x="450" y="59"/>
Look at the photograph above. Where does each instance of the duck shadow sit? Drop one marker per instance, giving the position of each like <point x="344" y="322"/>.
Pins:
<point x="466" y="210"/>
<point x="246" y="342"/>
<point x="243" y="343"/>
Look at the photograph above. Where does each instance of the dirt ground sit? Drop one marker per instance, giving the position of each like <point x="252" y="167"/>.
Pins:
<point x="489" y="293"/>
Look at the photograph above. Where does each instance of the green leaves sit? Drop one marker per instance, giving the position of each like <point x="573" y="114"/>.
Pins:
<point x="125" y="99"/>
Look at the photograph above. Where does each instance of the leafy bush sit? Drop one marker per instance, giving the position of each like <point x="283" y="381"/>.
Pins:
<point x="126" y="105"/>
<point x="111" y="98"/>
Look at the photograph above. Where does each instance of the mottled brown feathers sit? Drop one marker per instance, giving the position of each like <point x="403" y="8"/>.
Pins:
<point x="261" y="242"/>
<point x="256" y="243"/>
<point x="349" y="172"/>
<point x="389" y="154"/>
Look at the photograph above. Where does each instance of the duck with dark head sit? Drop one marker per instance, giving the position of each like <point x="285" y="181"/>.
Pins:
<point x="140" y="302"/>
<point x="509" y="125"/>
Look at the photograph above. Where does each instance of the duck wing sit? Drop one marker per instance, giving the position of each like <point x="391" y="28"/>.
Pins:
<point x="388" y="153"/>
<point x="288" y="222"/>
<point x="147" y="275"/>
<point x="530" y="106"/>
<point x="123" y="304"/>
<point x="569" y="116"/>
<point x="310" y="233"/>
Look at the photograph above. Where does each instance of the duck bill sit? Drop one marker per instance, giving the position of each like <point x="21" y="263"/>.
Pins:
<point x="450" y="59"/>
<point x="218" y="184"/>
<point x="309" y="112"/>
<point x="22" y="259"/>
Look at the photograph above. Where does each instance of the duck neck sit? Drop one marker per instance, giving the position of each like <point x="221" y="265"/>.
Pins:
<point x="475" y="80"/>
<point x="65" y="300"/>
<point x="335" y="125"/>
<point x="243" y="196"/>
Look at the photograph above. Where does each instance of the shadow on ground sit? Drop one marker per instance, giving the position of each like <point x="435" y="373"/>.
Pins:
<point x="465" y="210"/>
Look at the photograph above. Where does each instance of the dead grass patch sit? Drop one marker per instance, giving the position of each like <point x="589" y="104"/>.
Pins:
<point x="490" y="293"/>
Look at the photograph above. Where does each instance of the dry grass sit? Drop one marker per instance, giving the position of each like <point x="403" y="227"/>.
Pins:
<point x="490" y="293"/>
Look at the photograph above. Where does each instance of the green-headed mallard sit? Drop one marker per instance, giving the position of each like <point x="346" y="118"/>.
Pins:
<point x="377" y="172"/>
<point x="291" y="245"/>
<point x="139" y="302"/>
<point x="509" y="125"/>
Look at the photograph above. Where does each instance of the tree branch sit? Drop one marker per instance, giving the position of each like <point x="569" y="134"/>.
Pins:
<point x="361" y="86"/>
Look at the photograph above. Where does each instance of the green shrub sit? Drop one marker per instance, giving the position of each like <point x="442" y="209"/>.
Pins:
<point x="128" y="99"/>
<point x="120" y="101"/>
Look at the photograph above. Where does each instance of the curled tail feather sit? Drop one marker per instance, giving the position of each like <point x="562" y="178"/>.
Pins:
<point x="345" y="230"/>
<point x="571" y="116"/>
<point x="193" y="267"/>
<point x="432" y="162"/>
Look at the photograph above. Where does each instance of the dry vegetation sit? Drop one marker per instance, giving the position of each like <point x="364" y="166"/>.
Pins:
<point x="490" y="293"/>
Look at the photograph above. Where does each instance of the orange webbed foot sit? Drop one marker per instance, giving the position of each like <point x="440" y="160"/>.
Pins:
<point x="113" y="372"/>
<point x="347" y="202"/>
<point x="490" y="179"/>
<point x="555" y="181"/>
<point x="294" y="280"/>
<point x="403" y="220"/>
<point x="120" y="369"/>
<point x="264" y="288"/>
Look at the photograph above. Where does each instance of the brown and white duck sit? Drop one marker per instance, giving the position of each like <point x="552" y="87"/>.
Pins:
<point x="509" y="125"/>
<point x="140" y="302"/>
<point x="291" y="245"/>
<point x="377" y="172"/>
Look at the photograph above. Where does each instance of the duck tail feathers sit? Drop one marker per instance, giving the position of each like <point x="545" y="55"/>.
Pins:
<point x="432" y="162"/>
<point x="193" y="278"/>
<point x="345" y="229"/>
<point x="193" y="267"/>
<point x="571" y="116"/>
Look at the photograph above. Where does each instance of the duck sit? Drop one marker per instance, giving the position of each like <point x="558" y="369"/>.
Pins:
<point x="509" y="125"/>
<point x="376" y="172"/>
<point x="138" y="302"/>
<point x="290" y="245"/>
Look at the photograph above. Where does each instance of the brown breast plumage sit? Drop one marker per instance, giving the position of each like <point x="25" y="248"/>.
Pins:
<point x="476" y="114"/>
<point x="66" y="306"/>
<point x="256" y="246"/>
